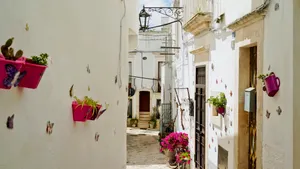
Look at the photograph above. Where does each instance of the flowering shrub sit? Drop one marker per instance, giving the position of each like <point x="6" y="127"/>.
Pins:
<point x="183" y="157"/>
<point x="174" y="140"/>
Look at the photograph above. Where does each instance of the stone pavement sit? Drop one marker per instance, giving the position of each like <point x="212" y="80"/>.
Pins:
<point x="143" y="150"/>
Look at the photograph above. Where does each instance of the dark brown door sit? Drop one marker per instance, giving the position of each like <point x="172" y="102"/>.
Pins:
<point x="200" y="118"/>
<point x="144" y="101"/>
<point x="252" y="116"/>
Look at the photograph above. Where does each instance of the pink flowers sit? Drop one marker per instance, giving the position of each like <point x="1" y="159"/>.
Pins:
<point x="174" y="140"/>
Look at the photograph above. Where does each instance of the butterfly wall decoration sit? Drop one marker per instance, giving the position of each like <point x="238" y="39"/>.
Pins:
<point x="71" y="91"/>
<point x="97" y="136"/>
<point x="268" y="114"/>
<point x="279" y="111"/>
<point x="88" y="69"/>
<point x="49" y="127"/>
<point x="100" y="112"/>
<point x="27" y="27"/>
<point x="13" y="76"/>
<point x="10" y="122"/>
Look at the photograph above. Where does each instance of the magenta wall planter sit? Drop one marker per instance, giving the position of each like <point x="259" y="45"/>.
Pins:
<point x="83" y="113"/>
<point x="8" y="71"/>
<point x="34" y="75"/>
<point x="221" y="110"/>
<point x="272" y="84"/>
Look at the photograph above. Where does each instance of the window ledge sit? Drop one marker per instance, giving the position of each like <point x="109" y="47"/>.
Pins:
<point x="198" y="23"/>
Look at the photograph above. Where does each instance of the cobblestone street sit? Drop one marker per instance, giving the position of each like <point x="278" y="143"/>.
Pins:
<point x="143" y="150"/>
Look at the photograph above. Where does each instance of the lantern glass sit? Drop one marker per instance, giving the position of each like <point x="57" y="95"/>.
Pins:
<point x="144" y="18"/>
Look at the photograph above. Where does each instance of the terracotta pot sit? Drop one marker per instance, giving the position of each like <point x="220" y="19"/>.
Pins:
<point x="157" y="124"/>
<point x="171" y="157"/>
<point x="214" y="111"/>
<point x="34" y="75"/>
<point x="83" y="113"/>
<point x="221" y="110"/>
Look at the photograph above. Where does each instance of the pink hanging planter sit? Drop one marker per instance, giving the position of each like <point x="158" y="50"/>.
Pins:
<point x="272" y="84"/>
<point x="85" y="112"/>
<point x="221" y="110"/>
<point x="34" y="75"/>
<point x="8" y="71"/>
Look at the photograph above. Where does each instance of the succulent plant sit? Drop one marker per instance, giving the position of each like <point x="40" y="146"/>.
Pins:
<point x="8" y="52"/>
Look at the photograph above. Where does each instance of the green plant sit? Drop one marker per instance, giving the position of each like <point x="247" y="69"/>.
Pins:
<point x="87" y="101"/>
<point x="40" y="60"/>
<point x="262" y="77"/>
<point x="153" y="119"/>
<point x="218" y="101"/>
<point x="8" y="52"/>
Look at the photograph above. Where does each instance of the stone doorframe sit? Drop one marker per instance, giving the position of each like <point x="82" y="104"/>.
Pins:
<point x="247" y="34"/>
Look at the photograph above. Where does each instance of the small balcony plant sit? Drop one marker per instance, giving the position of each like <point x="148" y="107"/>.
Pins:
<point x="85" y="109"/>
<point x="10" y="65"/>
<point x="35" y="68"/>
<point x="219" y="102"/>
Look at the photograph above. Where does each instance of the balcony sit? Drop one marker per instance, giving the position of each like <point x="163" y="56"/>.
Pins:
<point x="199" y="23"/>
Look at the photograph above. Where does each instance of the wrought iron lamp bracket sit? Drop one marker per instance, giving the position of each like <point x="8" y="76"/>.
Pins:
<point x="172" y="12"/>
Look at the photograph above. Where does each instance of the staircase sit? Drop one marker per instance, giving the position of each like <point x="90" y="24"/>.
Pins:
<point x="144" y="119"/>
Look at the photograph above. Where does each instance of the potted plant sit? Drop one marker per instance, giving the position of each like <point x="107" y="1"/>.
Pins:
<point x="219" y="102"/>
<point x="271" y="83"/>
<point x="152" y="122"/>
<point x="86" y="109"/>
<point x="10" y="65"/>
<point x="173" y="141"/>
<point x="134" y="122"/>
<point x="35" y="68"/>
<point x="183" y="158"/>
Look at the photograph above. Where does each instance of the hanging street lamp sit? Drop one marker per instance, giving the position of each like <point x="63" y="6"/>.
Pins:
<point x="171" y="12"/>
<point x="144" y="18"/>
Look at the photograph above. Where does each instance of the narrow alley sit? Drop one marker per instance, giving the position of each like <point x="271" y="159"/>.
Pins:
<point x="143" y="150"/>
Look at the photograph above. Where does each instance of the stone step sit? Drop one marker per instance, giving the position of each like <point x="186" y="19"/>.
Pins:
<point x="143" y="124"/>
<point x="144" y="113"/>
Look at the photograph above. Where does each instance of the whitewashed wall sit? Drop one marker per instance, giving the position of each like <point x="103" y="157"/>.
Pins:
<point x="74" y="34"/>
<point x="277" y="54"/>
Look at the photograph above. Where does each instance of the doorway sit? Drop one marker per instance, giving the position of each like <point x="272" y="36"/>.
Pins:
<point x="144" y="101"/>
<point x="200" y="117"/>
<point x="247" y="122"/>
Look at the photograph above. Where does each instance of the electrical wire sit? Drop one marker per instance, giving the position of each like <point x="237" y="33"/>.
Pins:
<point x="120" y="47"/>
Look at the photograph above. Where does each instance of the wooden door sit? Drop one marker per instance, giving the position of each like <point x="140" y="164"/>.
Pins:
<point x="144" y="101"/>
<point x="200" y="115"/>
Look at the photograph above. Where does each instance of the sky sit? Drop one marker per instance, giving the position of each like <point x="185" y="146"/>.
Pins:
<point x="156" y="17"/>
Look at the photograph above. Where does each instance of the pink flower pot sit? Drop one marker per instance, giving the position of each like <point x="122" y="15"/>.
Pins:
<point x="34" y="75"/>
<point x="8" y="71"/>
<point x="83" y="113"/>
<point x="272" y="84"/>
<point x="221" y="110"/>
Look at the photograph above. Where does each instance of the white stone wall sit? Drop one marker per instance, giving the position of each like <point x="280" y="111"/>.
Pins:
<point x="278" y="53"/>
<point x="74" y="34"/>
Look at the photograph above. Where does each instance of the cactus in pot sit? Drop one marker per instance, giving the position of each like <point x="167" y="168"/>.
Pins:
<point x="8" y="51"/>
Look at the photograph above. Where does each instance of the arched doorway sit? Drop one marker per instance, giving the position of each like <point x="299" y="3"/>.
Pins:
<point x="144" y="101"/>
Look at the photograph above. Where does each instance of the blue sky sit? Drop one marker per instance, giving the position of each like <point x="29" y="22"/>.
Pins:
<point x="156" y="18"/>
